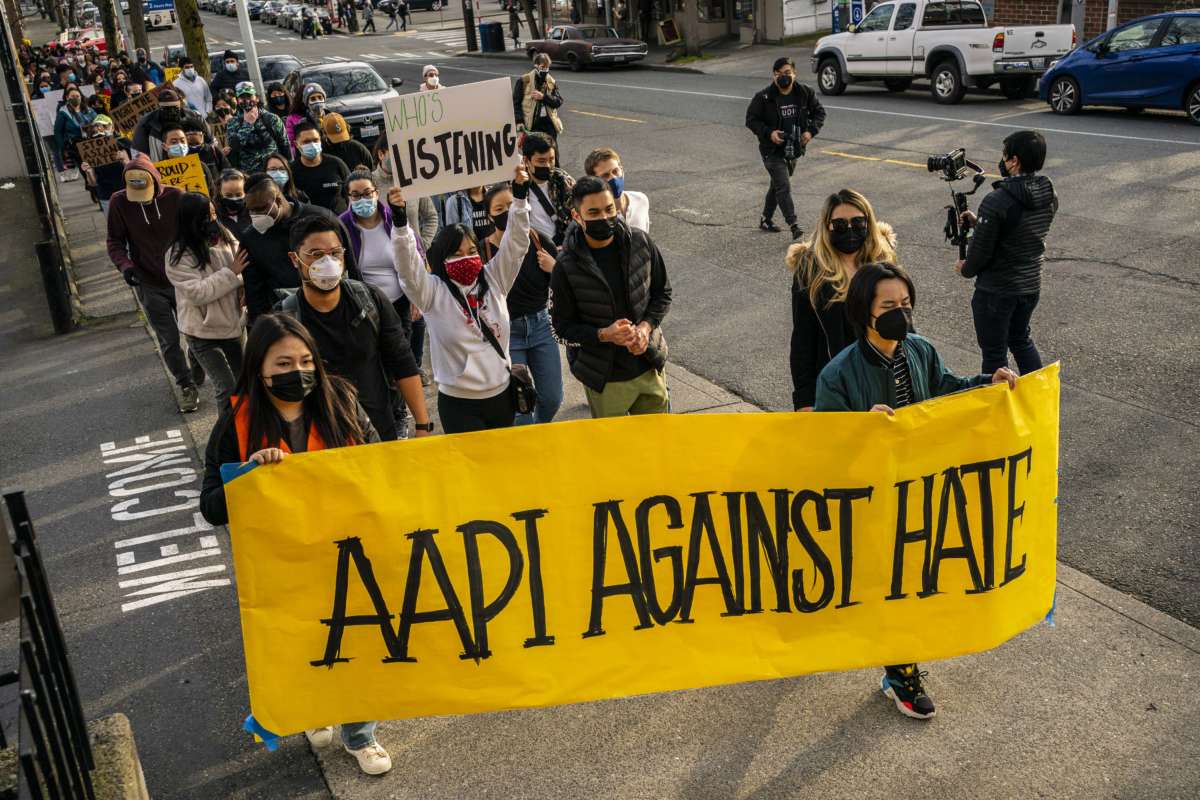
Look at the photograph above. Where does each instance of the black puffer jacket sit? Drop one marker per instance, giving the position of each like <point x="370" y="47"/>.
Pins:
<point x="1008" y="246"/>
<point x="818" y="334"/>
<point x="762" y="116"/>
<point x="581" y="301"/>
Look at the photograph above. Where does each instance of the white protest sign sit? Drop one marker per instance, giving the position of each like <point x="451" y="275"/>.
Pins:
<point x="452" y="138"/>
<point x="45" y="110"/>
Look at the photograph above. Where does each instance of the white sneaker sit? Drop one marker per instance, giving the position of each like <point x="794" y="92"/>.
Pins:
<point x="372" y="759"/>
<point x="320" y="737"/>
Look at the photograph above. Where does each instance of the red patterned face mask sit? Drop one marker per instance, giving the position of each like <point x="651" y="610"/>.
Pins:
<point x="464" y="270"/>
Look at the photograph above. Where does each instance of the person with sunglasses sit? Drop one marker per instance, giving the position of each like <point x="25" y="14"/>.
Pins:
<point x="822" y="266"/>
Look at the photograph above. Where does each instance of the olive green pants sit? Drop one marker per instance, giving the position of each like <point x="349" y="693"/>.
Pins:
<point x="645" y="394"/>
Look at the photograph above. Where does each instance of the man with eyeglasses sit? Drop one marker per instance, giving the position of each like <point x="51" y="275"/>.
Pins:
<point x="272" y="217"/>
<point x="358" y="333"/>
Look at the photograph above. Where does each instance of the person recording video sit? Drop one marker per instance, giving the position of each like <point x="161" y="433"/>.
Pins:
<point x="1006" y="253"/>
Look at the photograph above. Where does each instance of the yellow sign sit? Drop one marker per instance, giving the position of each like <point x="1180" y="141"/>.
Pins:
<point x="586" y="560"/>
<point x="170" y="74"/>
<point x="185" y="173"/>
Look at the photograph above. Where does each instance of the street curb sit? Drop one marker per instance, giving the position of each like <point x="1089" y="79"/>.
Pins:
<point x="1128" y="606"/>
<point x="505" y="56"/>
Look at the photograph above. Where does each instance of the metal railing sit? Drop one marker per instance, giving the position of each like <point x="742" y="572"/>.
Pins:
<point x="53" y="750"/>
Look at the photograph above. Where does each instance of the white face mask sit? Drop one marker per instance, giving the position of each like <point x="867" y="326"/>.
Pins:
<point x="261" y="222"/>
<point x="325" y="273"/>
<point x="432" y="81"/>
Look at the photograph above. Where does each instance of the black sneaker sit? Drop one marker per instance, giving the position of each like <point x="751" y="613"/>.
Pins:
<point x="903" y="685"/>
<point x="189" y="399"/>
<point x="797" y="231"/>
<point x="768" y="225"/>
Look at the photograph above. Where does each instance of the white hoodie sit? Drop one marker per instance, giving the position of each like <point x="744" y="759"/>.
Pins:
<point x="465" y="365"/>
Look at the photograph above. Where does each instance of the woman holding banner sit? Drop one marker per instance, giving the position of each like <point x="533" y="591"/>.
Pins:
<point x="465" y="305"/>
<point x="285" y="402"/>
<point x="890" y="367"/>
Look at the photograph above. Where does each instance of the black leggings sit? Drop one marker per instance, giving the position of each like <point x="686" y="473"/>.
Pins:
<point x="463" y="416"/>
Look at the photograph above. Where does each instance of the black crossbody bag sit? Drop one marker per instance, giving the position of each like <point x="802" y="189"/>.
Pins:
<point x="520" y="383"/>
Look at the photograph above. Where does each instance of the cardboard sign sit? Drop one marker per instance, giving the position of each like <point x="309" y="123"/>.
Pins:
<point x="450" y="583"/>
<point x="220" y="131"/>
<point x="452" y="138"/>
<point x="126" y="115"/>
<point x="45" y="110"/>
<point x="99" y="150"/>
<point x="185" y="173"/>
<point x="170" y="74"/>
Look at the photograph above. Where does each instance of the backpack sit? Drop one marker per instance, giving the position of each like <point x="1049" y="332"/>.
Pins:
<point x="289" y="302"/>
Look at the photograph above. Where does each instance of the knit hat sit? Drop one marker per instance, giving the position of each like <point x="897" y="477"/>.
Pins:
<point x="309" y="90"/>
<point x="425" y="69"/>
<point x="335" y="128"/>
<point x="229" y="55"/>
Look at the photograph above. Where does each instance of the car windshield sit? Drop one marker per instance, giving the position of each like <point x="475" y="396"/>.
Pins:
<point x="349" y="81"/>
<point x="277" y="70"/>
<point x="598" y="33"/>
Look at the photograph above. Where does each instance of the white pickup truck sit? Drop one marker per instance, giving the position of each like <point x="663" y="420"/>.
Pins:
<point x="947" y="42"/>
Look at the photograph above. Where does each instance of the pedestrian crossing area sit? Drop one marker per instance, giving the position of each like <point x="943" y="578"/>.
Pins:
<point x="455" y="39"/>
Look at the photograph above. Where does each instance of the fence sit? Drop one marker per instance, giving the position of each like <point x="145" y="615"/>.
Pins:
<point x="53" y="751"/>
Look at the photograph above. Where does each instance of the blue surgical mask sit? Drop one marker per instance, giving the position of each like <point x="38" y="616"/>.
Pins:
<point x="190" y="73"/>
<point x="617" y="184"/>
<point x="310" y="150"/>
<point x="279" y="176"/>
<point x="71" y="77"/>
<point x="231" y="66"/>
<point x="177" y="150"/>
<point x="364" y="208"/>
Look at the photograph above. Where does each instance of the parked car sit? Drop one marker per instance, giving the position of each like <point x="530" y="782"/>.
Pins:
<point x="80" y="38"/>
<point x="231" y="8"/>
<point x="582" y="46"/>
<point x="1152" y="62"/>
<point x="273" y="67"/>
<point x="287" y="15"/>
<point x="254" y="8"/>
<point x="270" y="11"/>
<point x="353" y="89"/>
<point x="947" y="42"/>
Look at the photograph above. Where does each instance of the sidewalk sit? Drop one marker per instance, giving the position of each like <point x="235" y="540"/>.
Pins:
<point x="1102" y="705"/>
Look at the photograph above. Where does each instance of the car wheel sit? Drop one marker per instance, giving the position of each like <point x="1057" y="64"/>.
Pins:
<point x="897" y="84"/>
<point x="573" y="62"/>
<point x="436" y="6"/>
<point x="829" y="78"/>
<point x="945" y="83"/>
<point x="1064" y="96"/>
<point x="1017" y="89"/>
<point x="1192" y="106"/>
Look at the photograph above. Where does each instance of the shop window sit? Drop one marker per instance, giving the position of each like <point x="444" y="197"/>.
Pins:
<point x="711" y="10"/>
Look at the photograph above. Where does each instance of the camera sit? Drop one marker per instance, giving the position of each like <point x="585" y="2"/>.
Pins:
<point x="793" y="148"/>
<point x="953" y="165"/>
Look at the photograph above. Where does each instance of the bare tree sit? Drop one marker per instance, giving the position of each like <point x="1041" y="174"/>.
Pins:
<point x="191" y="27"/>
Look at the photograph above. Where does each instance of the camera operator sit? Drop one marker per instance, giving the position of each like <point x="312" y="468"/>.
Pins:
<point x="1007" y="251"/>
<point x="785" y="117"/>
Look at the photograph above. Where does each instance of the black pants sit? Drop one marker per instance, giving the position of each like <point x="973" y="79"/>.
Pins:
<point x="464" y="416"/>
<point x="159" y="304"/>
<point x="369" y="24"/>
<point x="1001" y="326"/>
<point x="779" y="194"/>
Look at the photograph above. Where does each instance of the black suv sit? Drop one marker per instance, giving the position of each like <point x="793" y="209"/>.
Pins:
<point x="353" y="89"/>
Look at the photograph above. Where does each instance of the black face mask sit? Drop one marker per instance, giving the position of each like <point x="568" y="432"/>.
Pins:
<point x="541" y="173"/>
<point x="500" y="221"/>
<point x="783" y="81"/>
<point x="212" y="230"/>
<point x="223" y="112"/>
<point x="896" y="324"/>
<point x="848" y="241"/>
<point x="233" y="205"/>
<point x="602" y="229"/>
<point x="294" y="386"/>
<point x="245" y="105"/>
<point x="1004" y="169"/>
<point x="279" y="102"/>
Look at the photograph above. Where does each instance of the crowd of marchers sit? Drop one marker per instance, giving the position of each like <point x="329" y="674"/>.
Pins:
<point x="306" y="286"/>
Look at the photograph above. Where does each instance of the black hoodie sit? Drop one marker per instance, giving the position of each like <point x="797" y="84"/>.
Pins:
<point x="1008" y="246"/>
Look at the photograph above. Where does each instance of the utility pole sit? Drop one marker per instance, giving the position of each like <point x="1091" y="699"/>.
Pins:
<point x="251" y="50"/>
<point x="469" y="25"/>
<point x="1112" y="16"/>
<point x="191" y="28"/>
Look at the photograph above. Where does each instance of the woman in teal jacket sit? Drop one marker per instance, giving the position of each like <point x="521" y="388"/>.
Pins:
<point x="889" y="367"/>
<point x="70" y="125"/>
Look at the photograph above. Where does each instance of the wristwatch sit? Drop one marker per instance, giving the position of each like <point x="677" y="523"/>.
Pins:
<point x="427" y="426"/>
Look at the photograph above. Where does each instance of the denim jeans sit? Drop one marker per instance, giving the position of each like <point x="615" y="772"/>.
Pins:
<point x="357" y="735"/>
<point x="779" y="193"/>
<point x="1002" y="325"/>
<point x="222" y="362"/>
<point x="531" y="342"/>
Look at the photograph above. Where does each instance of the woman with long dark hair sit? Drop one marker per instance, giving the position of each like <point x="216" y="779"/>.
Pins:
<point x="281" y="172"/>
<point x="465" y="305"/>
<point x="205" y="267"/>
<point x="285" y="403"/>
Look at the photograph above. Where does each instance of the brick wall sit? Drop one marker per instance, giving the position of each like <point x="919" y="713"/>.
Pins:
<point x="1095" y="16"/>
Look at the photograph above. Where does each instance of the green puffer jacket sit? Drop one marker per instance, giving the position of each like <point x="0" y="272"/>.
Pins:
<point x="857" y="378"/>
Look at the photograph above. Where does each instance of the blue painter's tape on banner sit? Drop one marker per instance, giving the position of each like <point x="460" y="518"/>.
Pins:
<point x="251" y="725"/>
<point x="236" y="470"/>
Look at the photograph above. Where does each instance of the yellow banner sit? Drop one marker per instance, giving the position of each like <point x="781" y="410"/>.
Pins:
<point x="185" y="173"/>
<point x="555" y="563"/>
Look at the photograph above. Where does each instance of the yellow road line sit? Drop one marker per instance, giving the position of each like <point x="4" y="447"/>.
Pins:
<point x="850" y="155"/>
<point x="895" y="161"/>
<point x="608" y="116"/>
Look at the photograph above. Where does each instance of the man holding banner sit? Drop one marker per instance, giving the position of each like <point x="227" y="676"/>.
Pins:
<point x="891" y="367"/>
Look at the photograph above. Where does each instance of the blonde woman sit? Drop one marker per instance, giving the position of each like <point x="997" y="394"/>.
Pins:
<point x="847" y="237"/>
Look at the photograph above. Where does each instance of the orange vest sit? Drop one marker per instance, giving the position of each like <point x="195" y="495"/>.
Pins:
<point x="241" y="421"/>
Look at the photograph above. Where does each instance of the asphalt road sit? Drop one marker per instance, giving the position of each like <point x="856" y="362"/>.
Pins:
<point x="1120" y="304"/>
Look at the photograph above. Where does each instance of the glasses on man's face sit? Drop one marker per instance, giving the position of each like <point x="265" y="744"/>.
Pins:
<point x="367" y="195"/>
<point x="843" y="225"/>
<point x="317" y="255"/>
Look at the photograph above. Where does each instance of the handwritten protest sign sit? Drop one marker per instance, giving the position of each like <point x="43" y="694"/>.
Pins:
<point x="126" y="115"/>
<point x="45" y="110"/>
<point x="220" y="131"/>
<point x="170" y="74"/>
<point x="450" y="583"/>
<point x="453" y="138"/>
<point x="98" y="151"/>
<point x="185" y="173"/>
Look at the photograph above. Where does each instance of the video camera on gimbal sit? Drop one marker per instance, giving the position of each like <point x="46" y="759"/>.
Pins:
<point x="954" y="166"/>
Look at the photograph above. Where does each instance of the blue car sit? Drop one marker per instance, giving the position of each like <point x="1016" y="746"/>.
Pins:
<point x="1152" y="62"/>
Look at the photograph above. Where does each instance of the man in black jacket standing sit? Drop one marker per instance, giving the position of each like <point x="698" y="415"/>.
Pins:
<point x="609" y="295"/>
<point x="1007" y="251"/>
<point x="785" y="117"/>
<point x="272" y="217"/>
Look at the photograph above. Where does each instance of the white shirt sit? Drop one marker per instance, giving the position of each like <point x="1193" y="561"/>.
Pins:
<point x="539" y="220"/>
<point x="195" y="93"/>
<point x="377" y="261"/>
<point x="637" y="215"/>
